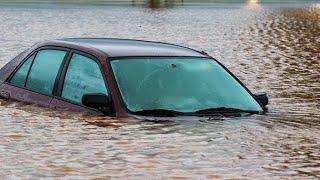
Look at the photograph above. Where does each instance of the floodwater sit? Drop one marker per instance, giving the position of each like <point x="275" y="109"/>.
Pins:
<point x="270" y="47"/>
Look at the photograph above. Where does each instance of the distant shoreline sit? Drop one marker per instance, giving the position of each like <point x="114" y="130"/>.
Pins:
<point x="159" y="4"/>
<point x="145" y="2"/>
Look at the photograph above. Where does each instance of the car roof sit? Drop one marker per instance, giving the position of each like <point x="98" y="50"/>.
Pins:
<point x="130" y="47"/>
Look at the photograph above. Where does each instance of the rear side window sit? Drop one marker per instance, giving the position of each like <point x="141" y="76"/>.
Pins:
<point x="44" y="70"/>
<point x="83" y="76"/>
<point x="19" y="78"/>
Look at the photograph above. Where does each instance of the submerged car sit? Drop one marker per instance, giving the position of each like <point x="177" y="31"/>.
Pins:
<point x="126" y="78"/>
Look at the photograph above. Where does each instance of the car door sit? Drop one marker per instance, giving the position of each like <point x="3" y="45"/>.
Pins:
<point x="34" y="79"/>
<point x="81" y="75"/>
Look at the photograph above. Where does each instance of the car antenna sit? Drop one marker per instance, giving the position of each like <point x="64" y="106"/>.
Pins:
<point x="203" y="52"/>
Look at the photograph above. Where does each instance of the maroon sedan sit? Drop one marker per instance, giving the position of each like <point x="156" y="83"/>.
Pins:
<point x="125" y="78"/>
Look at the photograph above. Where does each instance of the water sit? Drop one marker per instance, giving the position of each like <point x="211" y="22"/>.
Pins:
<point x="270" y="47"/>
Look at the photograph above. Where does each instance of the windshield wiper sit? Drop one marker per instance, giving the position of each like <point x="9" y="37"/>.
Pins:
<point x="222" y="110"/>
<point x="159" y="112"/>
<point x="203" y="112"/>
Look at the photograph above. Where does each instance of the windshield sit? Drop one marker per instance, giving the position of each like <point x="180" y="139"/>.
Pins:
<point x="184" y="84"/>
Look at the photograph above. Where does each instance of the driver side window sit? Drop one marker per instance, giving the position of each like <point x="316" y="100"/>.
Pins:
<point x="83" y="76"/>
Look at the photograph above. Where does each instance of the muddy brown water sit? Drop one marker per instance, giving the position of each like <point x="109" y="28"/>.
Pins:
<point x="270" y="47"/>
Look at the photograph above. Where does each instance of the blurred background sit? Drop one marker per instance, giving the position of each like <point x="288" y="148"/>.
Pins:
<point x="271" y="45"/>
<point x="147" y="3"/>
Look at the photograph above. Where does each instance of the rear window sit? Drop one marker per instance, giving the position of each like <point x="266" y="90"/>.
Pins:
<point x="44" y="70"/>
<point x="19" y="78"/>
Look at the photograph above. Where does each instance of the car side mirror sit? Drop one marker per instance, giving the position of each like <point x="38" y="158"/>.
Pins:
<point x="262" y="98"/>
<point x="97" y="101"/>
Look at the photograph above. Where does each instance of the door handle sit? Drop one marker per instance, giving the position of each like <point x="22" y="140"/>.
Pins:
<point x="5" y="94"/>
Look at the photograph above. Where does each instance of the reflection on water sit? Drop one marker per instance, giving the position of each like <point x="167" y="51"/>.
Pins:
<point x="270" y="48"/>
<point x="158" y="3"/>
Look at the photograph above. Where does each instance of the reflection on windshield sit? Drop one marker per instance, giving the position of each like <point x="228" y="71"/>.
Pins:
<point x="179" y="84"/>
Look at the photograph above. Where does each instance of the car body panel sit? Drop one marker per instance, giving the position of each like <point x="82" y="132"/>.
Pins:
<point x="20" y="94"/>
<point x="64" y="105"/>
<point x="133" y="48"/>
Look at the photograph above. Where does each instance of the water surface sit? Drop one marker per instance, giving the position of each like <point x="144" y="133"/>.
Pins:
<point x="270" y="47"/>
